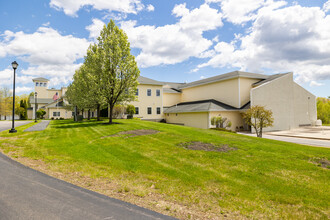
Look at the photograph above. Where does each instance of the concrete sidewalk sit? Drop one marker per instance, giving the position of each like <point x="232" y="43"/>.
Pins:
<point x="39" y="127"/>
<point x="310" y="132"/>
<point x="297" y="140"/>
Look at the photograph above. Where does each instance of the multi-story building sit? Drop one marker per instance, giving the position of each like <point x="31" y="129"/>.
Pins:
<point x="194" y="104"/>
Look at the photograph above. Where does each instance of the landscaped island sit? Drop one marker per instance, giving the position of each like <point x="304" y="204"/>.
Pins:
<point x="181" y="171"/>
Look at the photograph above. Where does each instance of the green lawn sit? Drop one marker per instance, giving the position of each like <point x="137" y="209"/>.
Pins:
<point x="261" y="179"/>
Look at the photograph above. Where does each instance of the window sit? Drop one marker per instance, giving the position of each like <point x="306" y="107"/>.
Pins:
<point x="45" y="84"/>
<point x="136" y="110"/>
<point x="149" y="111"/>
<point x="158" y="110"/>
<point x="157" y="92"/>
<point x="137" y="92"/>
<point x="92" y="114"/>
<point x="148" y="92"/>
<point x="40" y="84"/>
<point x="56" y="114"/>
<point x="37" y="84"/>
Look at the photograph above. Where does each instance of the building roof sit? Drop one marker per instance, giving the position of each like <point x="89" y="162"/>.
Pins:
<point x="40" y="100"/>
<point x="173" y="85"/>
<point x="169" y="90"/>
<point x="148" y="81"/>
<point x="209" y="105"/>
<point x="40" y="79"/>
<point x="270" y="78"/>
<point x="223" y="77"/>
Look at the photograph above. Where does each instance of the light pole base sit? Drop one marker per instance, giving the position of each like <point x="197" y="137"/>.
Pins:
<point x="12" y="130"/>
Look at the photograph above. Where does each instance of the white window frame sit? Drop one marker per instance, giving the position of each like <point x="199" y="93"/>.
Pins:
<point x="148" y="92"/>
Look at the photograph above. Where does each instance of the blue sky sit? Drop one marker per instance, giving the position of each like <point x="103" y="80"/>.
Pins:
<point x="172" y="40"/>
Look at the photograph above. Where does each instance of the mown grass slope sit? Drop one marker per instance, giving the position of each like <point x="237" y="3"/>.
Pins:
<point x="260" y="179"/>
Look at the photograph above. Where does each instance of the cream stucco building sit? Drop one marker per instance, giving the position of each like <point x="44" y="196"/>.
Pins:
<point x="194" y="104"/>
<point x="229" y="95"/>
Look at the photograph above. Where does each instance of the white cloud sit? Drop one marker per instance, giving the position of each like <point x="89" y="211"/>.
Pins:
<point x="241" y="11"/>
<point x="294" y="39"/>
<point x="70" y="7"/>
<point x="326" y="6"/>
<point x="48" y="53"/>
<point x="150" y="8"/>
<point x="23" y="89"/>
<point x="6" y="77"/>
<point x="314" y="83"/>
<point x="95" y="28"/>
<point x="46" y="46"/>
<point x="174" y="43"/>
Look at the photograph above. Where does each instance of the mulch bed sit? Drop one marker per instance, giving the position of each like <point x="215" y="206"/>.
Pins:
<point x="322" y="163"/>
<point x="196" y="145"/>
<point x="133" y="133"/>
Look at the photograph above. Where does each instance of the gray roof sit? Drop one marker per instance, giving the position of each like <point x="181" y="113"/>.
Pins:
<point x="202" y="106"/>
<point x="41" y="100"/>
<point x="168" y="90"/>
<point x="270" y="78"/>
<point x="173" y="84"/>
<point x="40" y="79"/>
<point x="148" y="81"/>
<point x="222" y="77"/>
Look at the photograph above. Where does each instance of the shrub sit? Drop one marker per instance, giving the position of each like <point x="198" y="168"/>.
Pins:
<point x="118" y="111"/>
<point x="221" y="122"/>
<point x="41" y="113"/>
<point x="130" y="110"/>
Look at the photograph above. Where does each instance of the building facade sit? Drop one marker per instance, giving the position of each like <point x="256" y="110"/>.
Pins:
<point x="194" y="104"/>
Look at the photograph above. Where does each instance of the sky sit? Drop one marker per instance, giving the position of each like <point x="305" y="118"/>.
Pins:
<point x="176" y="41"/>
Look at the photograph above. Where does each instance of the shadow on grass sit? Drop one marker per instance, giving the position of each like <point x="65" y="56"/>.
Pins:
<point x="83" y="124"/>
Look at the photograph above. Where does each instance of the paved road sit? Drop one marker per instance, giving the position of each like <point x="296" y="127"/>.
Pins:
<point x="6" y="125"/>
<point x="305" y="141"/>
<point x="29" y="194"/>
<point x="39" y="127"/>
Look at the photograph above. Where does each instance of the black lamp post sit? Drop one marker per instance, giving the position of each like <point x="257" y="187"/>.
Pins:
<point x="12" y="130"/>
<point x="36" y="106"/>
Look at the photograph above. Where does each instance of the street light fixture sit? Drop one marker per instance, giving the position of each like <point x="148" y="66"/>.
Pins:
<point x="12" y="130"/>
<point x="36" y="106"/>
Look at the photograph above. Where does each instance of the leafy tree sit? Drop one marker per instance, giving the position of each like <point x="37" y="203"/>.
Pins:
<point x="6" y="102"/>
<point x="28" y="99"/>
<point x="323" y="110"/>
<point x="258" y="117"/>
<point x="220" y="122"/>
<point x="130" y="110"/>
<point x="117" y="69"/>
<point x="41" y="113"/>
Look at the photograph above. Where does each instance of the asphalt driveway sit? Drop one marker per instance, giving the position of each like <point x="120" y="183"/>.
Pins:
<point x="6" y="125"/>
<point x="29" y="194"/>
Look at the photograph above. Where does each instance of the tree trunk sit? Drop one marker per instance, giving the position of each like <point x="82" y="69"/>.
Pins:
<point x="89" y="114"/>
<point x="110" y="116"/>
<point x="98" y="112"/>
<point x="260" y="133"/>
<point x="82" y="113"/>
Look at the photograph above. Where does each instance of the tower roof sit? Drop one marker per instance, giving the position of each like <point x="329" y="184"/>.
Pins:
<point x="40" y="79"/>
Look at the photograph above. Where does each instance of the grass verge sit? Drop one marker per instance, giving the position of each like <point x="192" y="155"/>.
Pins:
<point x="260" y="178"/>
